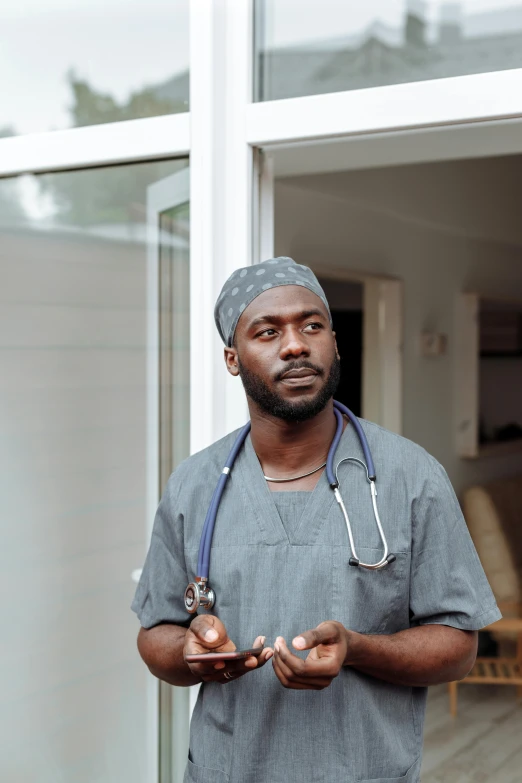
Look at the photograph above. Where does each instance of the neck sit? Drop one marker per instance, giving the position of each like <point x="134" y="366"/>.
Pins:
<point x="288" y="448"/>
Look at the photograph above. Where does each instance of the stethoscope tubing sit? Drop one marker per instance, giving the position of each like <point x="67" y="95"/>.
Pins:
<point x="331" y="474"/>
<point x="210" y="519"/>
<point x="338" y="406"/>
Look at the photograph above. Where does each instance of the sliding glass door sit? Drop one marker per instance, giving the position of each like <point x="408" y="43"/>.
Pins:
<point x="77" y="453"/>
<point x="168" y="416"/>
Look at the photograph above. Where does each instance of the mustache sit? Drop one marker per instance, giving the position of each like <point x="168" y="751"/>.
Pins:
<point x="298" y="366"/>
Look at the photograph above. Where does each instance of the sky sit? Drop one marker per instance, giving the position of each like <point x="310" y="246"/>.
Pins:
<point x="123" y="45"/>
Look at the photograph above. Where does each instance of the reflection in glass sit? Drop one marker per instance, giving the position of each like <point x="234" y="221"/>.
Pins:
<point x="73" y="469"/>
<point x="308" y="47"/>
<point x="87" y="62"/>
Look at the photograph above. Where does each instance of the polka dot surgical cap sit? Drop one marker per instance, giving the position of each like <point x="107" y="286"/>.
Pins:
<point x="245" y="284"/>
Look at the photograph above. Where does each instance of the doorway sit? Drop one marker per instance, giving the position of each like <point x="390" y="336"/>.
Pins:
<point x="443" y="232"/>
<point x="346" y="300"/>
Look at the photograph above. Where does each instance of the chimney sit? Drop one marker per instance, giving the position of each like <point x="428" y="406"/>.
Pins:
<point x="415" y="30"/>
<point x="450" y="24"/>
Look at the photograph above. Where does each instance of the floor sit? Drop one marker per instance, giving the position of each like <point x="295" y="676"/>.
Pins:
<point x="483" y="744"/>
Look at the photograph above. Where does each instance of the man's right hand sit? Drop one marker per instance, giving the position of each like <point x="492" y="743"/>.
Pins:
<point x="208" y="634"/>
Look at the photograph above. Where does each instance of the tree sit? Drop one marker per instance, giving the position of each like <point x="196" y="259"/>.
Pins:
<point x="94" y="108"/>
<point x="11" y="208"/>
<point x="113" y="194"/>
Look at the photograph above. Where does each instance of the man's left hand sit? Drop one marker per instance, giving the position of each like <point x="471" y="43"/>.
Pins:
<point x="329" y="644"/>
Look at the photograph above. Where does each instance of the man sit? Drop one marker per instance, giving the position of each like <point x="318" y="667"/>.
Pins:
<point x="352" y="650"/>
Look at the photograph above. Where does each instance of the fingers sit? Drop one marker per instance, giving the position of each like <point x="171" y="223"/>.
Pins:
<point x="297" y="674"/>
<point x="325" y="633"/>
<point x="251" y="662"/>
<point x="266" y="654"/>
<point x="310" y="667"/>
<point x="265" y="657"/>
<point x="209" y="630"/>
<point x="224" y="671"/>
<point x="215" y="671"/>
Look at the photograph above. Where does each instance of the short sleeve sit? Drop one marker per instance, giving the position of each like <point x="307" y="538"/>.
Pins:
<point x="448" y="584"/>
<point x="159" y="595"/>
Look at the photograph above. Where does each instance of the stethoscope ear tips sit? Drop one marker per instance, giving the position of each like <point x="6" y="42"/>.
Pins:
<point x="390" y="559"/>
<point x="353" y="561"/>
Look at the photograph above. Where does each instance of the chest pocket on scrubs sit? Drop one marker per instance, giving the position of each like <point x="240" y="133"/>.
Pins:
<point x="371" y="601"/>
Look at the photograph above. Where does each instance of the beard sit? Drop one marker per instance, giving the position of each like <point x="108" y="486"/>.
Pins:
<point x="275" y="405"/>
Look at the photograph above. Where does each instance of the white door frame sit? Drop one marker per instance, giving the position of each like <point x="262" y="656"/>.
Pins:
<point x="172" y="191"/>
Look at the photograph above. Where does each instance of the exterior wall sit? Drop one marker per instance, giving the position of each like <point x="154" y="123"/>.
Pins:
<point x="435" y="266"/>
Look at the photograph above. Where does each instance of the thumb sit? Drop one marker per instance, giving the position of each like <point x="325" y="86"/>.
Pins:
<point x="209" y="630"/>
<point x="325" y="633"/>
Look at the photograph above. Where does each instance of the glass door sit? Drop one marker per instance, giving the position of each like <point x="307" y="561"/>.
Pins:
<point x="168" y="416"/>
<point x="74" y="486"/>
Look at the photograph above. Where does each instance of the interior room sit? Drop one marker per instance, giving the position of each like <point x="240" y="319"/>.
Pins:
<point x="449" y="233"/>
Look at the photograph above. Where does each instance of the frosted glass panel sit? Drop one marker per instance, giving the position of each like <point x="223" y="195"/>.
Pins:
<point x="73" y="419"/>
<point x="307" y="47"/>
<point x="65" y="63"/>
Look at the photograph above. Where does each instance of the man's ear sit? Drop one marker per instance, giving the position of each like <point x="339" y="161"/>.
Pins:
<point x="336" y="348"/>
<point x="231" y="361"/>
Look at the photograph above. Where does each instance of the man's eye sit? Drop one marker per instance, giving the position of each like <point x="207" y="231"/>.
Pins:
<point x="267" y="333"/>
<point x="314" y="325"/>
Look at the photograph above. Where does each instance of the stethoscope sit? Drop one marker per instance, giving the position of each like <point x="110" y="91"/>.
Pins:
<point x="200" y="594"/>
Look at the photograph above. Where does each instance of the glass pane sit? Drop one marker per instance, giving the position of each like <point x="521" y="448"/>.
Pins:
<point x="91" y="61"/>
<point x="73" y="468"/>
<point x="174" y="414"/>
<point x="307" y="47"/>
<point x="174" y="317"/>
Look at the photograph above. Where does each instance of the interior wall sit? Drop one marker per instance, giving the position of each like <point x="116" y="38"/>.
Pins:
<point x="435" y="265"/>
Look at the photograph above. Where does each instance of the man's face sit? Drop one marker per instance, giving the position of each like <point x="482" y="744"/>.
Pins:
<point x="286" y="354"/>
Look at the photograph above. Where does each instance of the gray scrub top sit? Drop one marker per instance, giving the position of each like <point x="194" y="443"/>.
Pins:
<point x="273" y="582"/>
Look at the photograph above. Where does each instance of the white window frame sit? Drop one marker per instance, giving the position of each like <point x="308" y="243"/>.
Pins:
<point x="131" y="141"/>
<point x="400" y="107"/>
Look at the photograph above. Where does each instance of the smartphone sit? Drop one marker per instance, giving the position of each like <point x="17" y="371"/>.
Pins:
<point x="234" y="655"/>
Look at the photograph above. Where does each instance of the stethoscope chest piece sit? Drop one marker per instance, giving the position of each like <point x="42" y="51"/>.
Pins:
<point x="199" y="595"/>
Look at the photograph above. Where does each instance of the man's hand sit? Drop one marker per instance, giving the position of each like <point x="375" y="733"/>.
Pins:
<point x="328" y="643"/>
<point x="208" y="634"/>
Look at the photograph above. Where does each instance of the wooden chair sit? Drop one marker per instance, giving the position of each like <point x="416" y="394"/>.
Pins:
<point x="493" y="514"/>
<point x="499" y="670"/>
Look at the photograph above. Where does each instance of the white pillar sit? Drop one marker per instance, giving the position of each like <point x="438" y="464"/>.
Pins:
<point x="221" y="200"/>
<point x="238" y="239"/>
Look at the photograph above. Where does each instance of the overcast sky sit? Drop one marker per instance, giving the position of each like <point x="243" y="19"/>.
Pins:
<point x="122" y="45"/>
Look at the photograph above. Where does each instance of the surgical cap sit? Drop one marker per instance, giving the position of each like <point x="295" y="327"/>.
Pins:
<point x="245" y="284"/>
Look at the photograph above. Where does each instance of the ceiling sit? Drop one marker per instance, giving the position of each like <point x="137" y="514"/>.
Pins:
<point x="480" y="198"/>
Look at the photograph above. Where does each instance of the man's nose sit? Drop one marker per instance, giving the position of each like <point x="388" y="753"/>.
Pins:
<point x="294" y="344"/>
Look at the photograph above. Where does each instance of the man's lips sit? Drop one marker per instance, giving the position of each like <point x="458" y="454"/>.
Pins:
<point x="302" y="372"/>
<point x="300" y="378"/>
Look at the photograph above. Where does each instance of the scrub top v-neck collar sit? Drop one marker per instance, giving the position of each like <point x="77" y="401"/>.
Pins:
<point x="260" y="502"/>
